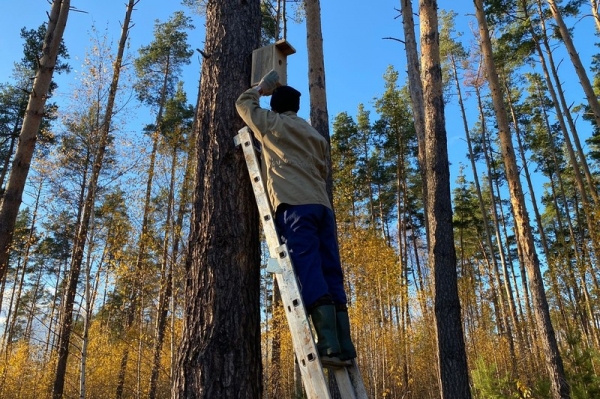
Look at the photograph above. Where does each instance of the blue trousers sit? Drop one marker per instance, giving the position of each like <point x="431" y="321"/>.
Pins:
<point x="309" y="232"/>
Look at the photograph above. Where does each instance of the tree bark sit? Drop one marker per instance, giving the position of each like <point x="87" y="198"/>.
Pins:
<point x="31" y="123"/>
<point x="416" y="92"/>
<point x="594" y="5"/>
<point x="319" y="116"/>
<point x="452" y="358"/>
<point x="524" y="235"/>
<point x="219" y="356"/>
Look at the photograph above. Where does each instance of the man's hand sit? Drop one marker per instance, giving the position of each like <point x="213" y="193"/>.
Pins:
<point x="268" y="83"/>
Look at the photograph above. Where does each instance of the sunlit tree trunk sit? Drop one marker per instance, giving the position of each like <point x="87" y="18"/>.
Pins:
<point x="319" y="116"/>
<point x="504" y="323"/>
<point x="577" y="64"/>
<point x="594" y="5"/>
<point x="552" y="174"/>
<point x="454" y="378"/>
<point x="524" y="235"/>
<point x="486" y="224"/>
<point x="534" y="204"/>
<point x="563" y="112"/>
<point x="416" y="92"/>
<point x="11" y="201"/>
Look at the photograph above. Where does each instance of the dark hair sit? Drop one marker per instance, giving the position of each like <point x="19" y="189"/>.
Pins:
<point x="285" y="98"/>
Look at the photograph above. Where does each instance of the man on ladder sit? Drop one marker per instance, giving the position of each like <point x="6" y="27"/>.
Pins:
<point x="294" y="171"/>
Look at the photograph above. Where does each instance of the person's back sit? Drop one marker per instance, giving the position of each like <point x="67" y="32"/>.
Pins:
<point x="294" y="169"/>
<point x="294" y="153"/>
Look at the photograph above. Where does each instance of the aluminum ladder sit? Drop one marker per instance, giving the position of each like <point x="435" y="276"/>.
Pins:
<point x="348" y="379"/>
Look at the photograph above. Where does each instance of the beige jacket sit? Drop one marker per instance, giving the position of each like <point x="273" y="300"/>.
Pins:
<point x="293" y="151"/>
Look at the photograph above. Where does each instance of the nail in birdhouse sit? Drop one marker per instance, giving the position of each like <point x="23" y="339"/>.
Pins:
<point x="273" y="56"/>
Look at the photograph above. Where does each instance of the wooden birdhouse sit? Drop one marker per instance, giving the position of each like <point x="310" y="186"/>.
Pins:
<point x="273" y="56"/>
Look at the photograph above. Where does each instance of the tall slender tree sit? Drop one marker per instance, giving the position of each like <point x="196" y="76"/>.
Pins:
<point x="159" y="69"/>
<point x="525" y="240"/>
<point x="319" y="116"/>
<point x="452" y="357"/>
<point x="103" y="138"/>
<point x="415" y="89"/>
<point x="176" y="126"/>
<point x="31" y="123"/>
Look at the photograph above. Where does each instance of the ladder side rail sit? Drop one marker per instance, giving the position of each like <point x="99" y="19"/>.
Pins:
<point x="303" y="341"/>
<point x="244" y="139"/>
<point x="305" y="349"/>
<point x="355" y="380"/>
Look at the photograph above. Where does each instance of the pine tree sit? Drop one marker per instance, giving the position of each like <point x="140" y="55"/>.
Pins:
<point x="31" y="123"/>
<point x="219" y="355"/>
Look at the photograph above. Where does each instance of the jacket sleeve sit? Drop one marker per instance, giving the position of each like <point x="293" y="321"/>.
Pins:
<point x="258" y="119"/>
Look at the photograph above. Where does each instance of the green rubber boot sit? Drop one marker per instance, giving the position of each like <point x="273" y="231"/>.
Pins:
<point x="323" y="319"/>
<point x="343" y="332"/>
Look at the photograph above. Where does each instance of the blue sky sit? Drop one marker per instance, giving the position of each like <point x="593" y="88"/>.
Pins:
<point x="356" y="55"/>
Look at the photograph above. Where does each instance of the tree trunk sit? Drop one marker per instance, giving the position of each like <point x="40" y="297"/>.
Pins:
<point x="559" y="101"/>
<point x="416" y="93"/>
<point x="17" y="289"/>
<point x="165" y="285"/>
<point x="524" y="235"/>
<point x="591" y="189"/>
<point x="31" y="124"/>
<point x="577" y="64"/>
<point x="319" y="116"/>
<point x="136" y="286"/>
<point x="594" y="5"/>
<point x="87" y="316"/>
<point x="13" y="140"/>
<point x="184" y="201"/>
<point x="452" y="358"/>
<point x="219" y="356"/>
<point x="88" y="206"/>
